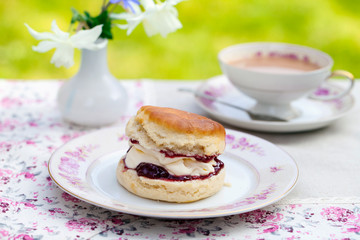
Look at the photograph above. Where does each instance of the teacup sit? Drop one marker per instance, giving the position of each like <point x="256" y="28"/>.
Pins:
<point x="275" y="74"/>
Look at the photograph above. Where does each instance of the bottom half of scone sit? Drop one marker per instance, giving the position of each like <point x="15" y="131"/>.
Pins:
<point x="169" y="190"/>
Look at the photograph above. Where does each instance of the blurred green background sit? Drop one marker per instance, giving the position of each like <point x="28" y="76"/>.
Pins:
<point x="190" y="53"/>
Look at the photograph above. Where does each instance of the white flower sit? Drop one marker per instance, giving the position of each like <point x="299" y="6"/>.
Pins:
<point x="65" y="44"/>
<point x="157" y="18"/>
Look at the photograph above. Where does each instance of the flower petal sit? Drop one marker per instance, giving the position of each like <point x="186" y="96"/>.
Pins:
<point x="97" y="45"/>
<point x="121" y="16"/>
<point x="122" y="26"/>
<point x="171" y="24"/>
<point x="133" y="25"/>
<point x="129" y="4"/>
<point x="40" y="36"/>
<point x="173" y="2"/>
<point x="83" y="38"/>
<point x="148" y="4"/>
<point x="163" y="21"/>
<point x="63" y="56"/>
<point x="127" y="15"/>
<point x="60" y="34"/>
<point x="45" y="46"/>
<point x="150" y="30"/>
<point x="133" y="20"/>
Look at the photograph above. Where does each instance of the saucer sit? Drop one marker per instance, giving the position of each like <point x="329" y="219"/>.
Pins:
<point x="313" y="114"/>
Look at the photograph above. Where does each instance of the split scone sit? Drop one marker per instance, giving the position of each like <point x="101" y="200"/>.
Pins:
<point x="172" y="156"/>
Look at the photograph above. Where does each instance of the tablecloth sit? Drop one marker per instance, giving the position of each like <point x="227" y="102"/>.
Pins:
<point x="323" y="205"/>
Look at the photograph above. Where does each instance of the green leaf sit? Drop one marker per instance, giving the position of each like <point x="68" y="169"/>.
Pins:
<point x="106" y="32"/>
<point x="76" y="16"/>
<point x="87" y="14"/>
<point x="103" y="18"/>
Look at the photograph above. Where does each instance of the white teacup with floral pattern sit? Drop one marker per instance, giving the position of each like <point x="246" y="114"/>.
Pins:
<point x="275" y="74"/>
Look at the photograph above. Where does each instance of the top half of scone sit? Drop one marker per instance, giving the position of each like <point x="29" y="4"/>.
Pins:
<point x="175" y="132"/>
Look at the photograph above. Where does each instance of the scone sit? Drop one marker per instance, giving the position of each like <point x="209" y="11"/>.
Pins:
<point x="172" y="155"/>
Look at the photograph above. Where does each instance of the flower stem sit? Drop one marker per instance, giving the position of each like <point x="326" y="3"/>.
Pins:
<point x="114" y="7"/>
<point x="105" y="6"/>
<point x="69" y="29"/>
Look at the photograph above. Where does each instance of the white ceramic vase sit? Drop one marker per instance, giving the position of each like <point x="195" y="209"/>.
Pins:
<point x="93" y="97"/>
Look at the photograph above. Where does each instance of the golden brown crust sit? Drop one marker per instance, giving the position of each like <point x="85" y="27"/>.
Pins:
<point x="180" y="121"/>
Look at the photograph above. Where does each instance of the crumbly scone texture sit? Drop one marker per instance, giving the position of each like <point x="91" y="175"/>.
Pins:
<point x="179" y="131"/>
<point x="169" y="191"/>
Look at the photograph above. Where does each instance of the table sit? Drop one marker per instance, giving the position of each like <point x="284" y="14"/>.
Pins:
<point x="325" y="204"/>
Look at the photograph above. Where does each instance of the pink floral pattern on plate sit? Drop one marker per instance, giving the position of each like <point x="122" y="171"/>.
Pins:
<point x="215" y="92"/>
<point x="327" y="91"/>
<point x="243" y="144"/>
<point x="275" y="169"/>
<point x="255" y="198"/>
<point x="71" y="163"/>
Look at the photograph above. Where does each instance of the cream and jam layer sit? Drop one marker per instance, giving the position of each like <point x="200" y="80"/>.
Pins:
<point x="177" y="166"/>
<point x="152" y="171"/>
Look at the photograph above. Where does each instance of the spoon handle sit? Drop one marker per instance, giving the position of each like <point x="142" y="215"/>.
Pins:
<point x="197" y="94"/>
<point x="252" y="115"/>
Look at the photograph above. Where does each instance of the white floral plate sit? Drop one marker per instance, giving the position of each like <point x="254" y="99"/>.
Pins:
<point x="258" y="174"/>
<point x="313" y="113"/>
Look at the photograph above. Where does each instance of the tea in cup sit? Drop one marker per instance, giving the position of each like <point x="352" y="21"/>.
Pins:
<point x="275" y="74"/>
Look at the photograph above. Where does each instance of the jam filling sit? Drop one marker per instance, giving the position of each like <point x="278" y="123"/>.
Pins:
<point x="171" y="154"/>
<point x="133" y="141"/>
<point x="205" y="158"/>
<point x="153" y="171"/>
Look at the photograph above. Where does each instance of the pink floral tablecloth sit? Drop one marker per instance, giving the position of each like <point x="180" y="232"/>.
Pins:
<point x="33" y="207"/>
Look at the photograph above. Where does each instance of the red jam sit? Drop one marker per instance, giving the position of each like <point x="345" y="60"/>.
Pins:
<point x="153" y="171"/>
<point x="134" y="141"/>
<point x="205" y="158"/>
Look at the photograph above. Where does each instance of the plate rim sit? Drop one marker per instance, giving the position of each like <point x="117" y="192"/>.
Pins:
<point x="263" y="126"/>
<point x="172" y="215"/>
